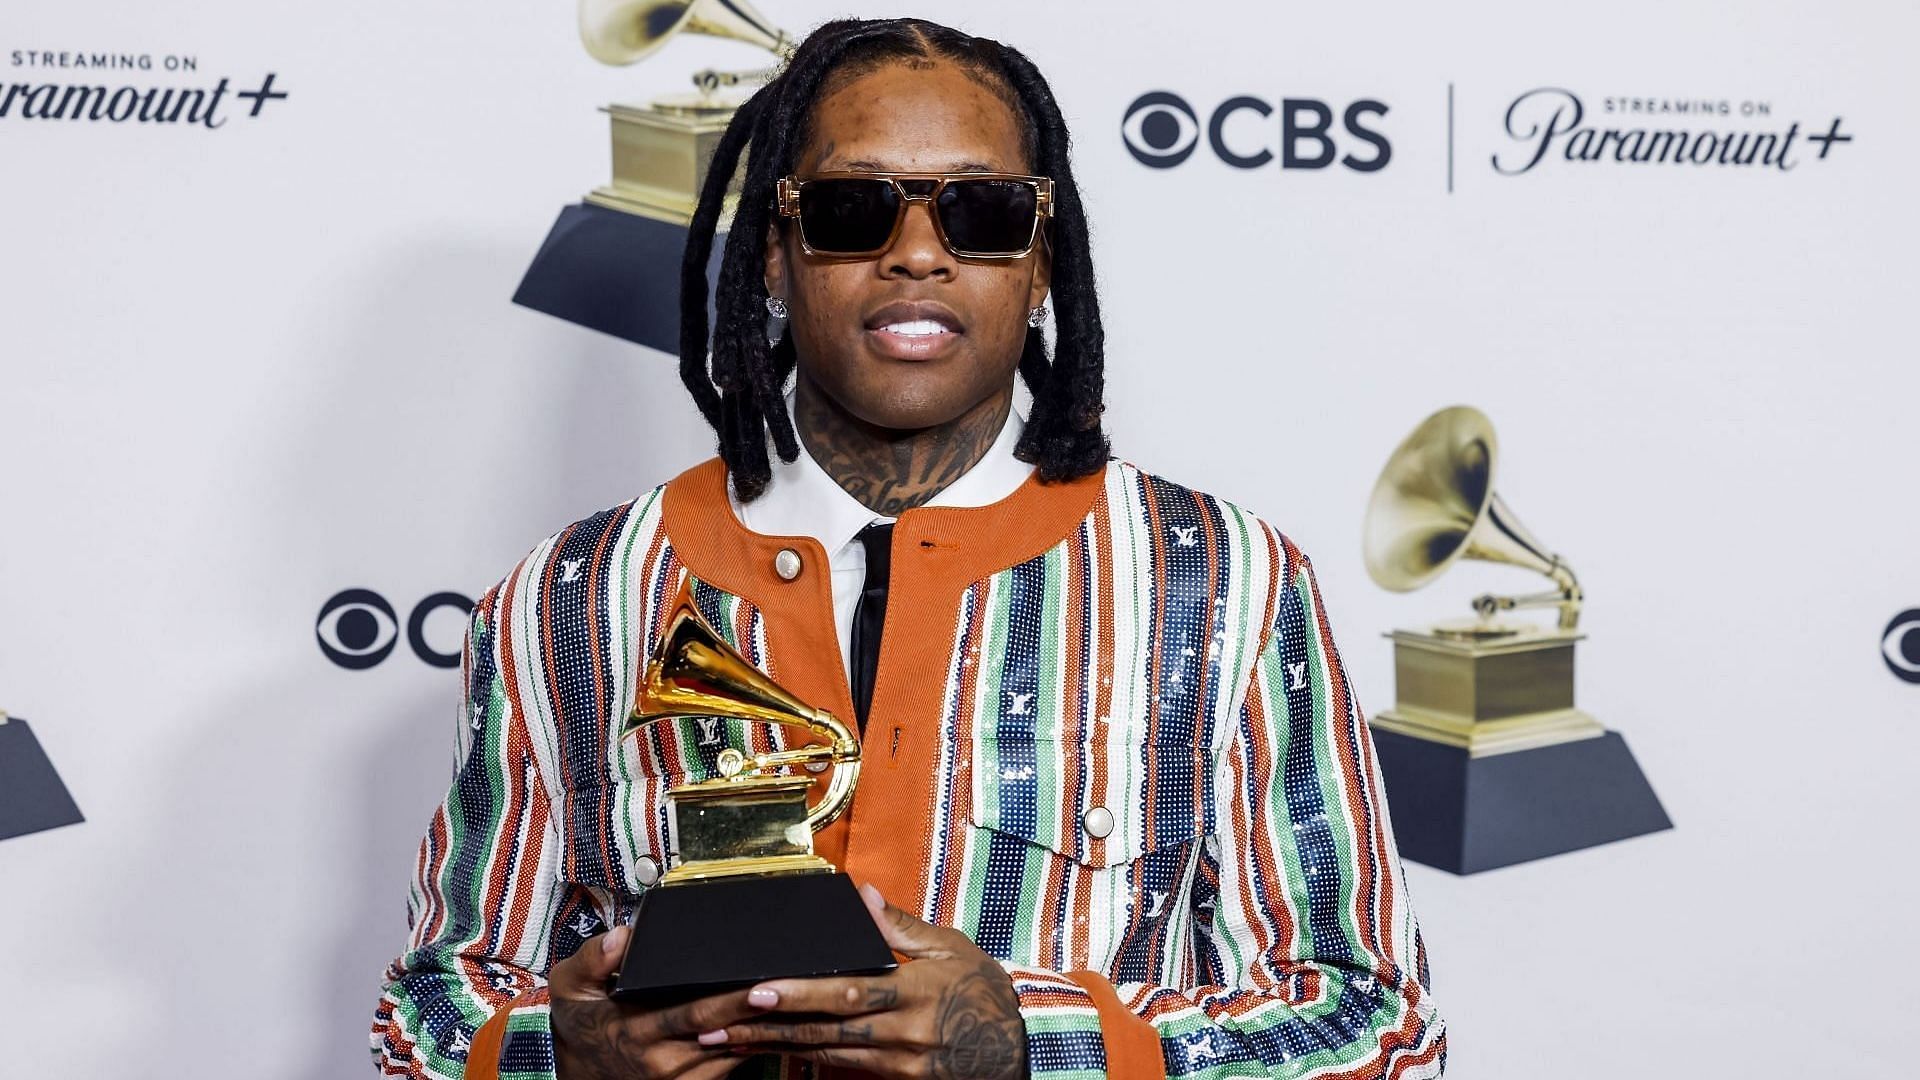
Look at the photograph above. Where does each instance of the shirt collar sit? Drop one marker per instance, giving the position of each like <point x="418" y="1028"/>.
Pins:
<point x="801" y="499"/>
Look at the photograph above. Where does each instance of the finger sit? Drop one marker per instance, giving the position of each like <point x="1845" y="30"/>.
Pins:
<point x="786" y="1034"/>
<point x="875" y="1061"/>
<point x="679" y="1058"/>
<point x="686" y="1020"/>
<point x="849" y="996"/>
<point x="585" y="973"/>
<point x="783" y="1032"/>
<point x="906" y="934"/>
<point x="712" y="1069"/>
<point x="620" y="1037"/>
<point x="878" y="1061"/>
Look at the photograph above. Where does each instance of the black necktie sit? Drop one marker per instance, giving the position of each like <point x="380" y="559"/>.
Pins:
<point x="871" y="615"/>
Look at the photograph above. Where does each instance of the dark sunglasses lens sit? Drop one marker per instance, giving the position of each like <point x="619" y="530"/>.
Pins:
<point x="987" y="217"/>
<point x="847" y="215"/>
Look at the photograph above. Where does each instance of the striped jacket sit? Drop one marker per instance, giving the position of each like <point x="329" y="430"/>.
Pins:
<point x="1114" y="649"/>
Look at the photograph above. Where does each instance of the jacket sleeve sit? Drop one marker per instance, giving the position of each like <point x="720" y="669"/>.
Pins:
<point x="1309" y="958"/>
<point x="485" y="897"/>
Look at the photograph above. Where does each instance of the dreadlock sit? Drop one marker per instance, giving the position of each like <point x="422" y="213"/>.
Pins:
<point x="738" y="385"/>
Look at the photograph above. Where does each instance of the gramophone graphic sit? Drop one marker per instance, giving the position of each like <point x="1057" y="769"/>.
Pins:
<point x="744" y="897"/>
<point x="661" y="149"/>
<point x="1486" y="758"/>
<point x="612" y="261"/>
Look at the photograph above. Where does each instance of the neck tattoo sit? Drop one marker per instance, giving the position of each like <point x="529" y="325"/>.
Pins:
<point x="893" y="471"/>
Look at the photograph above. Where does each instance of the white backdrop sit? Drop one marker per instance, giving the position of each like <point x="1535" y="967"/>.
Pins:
<point x="250" y="366"/>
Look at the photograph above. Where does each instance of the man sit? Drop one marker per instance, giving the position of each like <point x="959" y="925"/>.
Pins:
<point x="1117" y="806"/>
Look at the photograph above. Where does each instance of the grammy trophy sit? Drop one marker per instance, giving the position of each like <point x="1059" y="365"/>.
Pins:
<point x="744" y="897"/>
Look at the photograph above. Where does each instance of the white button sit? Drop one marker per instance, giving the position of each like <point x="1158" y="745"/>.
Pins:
<point x="1098" y="822"/>
<point x="787" y="564"/>
<point x="646" y="869"/>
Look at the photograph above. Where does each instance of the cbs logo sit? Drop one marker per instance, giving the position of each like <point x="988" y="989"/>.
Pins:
<point x="1900" y="645"/>
<point x="357" y="628"/>
<point x="1161" y="130"/>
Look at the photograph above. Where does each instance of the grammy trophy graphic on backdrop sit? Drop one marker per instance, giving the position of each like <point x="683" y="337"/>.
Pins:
<point x="1487" y="759"/>
<point x="32" y="798"/>
<point x="612" y="262"/>
<point x="661" y="149"/>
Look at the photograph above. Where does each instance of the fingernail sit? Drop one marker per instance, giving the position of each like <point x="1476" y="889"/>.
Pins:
<point x="607" y="943"/>
<point x="762" y="998"/>
<point x="871" y="894"/>
<point x="714" y="1038"/>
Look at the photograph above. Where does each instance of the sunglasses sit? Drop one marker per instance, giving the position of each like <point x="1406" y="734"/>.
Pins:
<point x="858" y="214"/>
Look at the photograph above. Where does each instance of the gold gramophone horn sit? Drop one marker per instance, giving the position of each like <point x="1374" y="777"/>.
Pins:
<point x="694" y="672"/>
<point x="624" y="31"/>
<point x="1435" y="503"/>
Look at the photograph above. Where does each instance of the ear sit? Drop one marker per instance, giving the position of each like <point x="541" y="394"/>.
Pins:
<point x="1042" y="269"/>
<point x="775" y="258"/>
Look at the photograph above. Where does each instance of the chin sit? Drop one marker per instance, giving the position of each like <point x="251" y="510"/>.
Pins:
<point x="908" y="395"/>
<point x="896" y="414"/>
<point x="911" y="396"/>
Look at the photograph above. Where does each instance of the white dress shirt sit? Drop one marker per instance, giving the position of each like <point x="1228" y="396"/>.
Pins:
<point x="802" y="500"/>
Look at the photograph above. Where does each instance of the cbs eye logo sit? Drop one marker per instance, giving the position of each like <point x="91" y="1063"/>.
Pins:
<point x="1900" y="645"/>
<point x="1161" y="130"/>
<point x="357" y="628"/>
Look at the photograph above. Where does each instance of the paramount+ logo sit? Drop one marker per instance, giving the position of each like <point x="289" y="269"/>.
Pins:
<point x="102" y="86"/>
<point x="358" y="628"/>
<point x="1162" y="130"/>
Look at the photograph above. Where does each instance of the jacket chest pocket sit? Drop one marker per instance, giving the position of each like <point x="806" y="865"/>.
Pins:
<point x="1100" y="802"/>
<point x="1083" y="849"/>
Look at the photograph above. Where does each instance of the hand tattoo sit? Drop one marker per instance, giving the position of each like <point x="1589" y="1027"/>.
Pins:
<point x="853" y="1034"/>
<point x="981" y="1034"/>
<point x="590" y="1033"/>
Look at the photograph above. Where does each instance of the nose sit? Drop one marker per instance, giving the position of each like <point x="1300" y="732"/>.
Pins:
<point x="917" y="252"/>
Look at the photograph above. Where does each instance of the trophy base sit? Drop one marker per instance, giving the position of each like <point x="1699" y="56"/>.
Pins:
<point x="1457" y="812"/>
<point x="707" y="937"/>
<point x="1487" y="737"/>
<point x="1477" y="673"/>
<point x="32" y="798"/>
<point x="613" y="272"/>
<point x="660" y="156"/>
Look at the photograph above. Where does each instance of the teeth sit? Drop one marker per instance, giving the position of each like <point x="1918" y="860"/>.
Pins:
<point x="917" y="328"/>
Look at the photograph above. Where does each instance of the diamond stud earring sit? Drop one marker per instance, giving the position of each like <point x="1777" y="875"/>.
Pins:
<point x="776" y="320"/>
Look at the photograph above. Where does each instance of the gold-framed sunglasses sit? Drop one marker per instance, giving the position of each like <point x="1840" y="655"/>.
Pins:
<point x="978" y="215"/>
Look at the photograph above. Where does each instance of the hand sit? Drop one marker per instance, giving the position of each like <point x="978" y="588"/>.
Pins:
<point x="597" y="1038"/>
<point x="951" y="1013"/>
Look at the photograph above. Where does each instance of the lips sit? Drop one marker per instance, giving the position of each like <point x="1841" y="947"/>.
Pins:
<point x="913" y="329"/>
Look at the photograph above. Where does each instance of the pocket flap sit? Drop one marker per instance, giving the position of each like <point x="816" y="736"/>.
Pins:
<point x="1098" y="802"/>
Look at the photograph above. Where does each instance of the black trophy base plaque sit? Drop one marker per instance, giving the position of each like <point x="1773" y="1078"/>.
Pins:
<point x="707" y="937"/>
<point x="32" y="798"/>
<point x="1465" y="814"/>
<point x="614" y="272"/>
